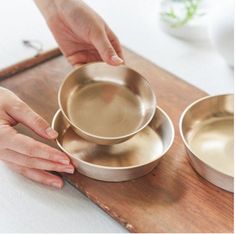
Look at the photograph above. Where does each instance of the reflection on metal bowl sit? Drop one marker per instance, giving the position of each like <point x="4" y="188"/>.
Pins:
<point x="120" y="162"/>
<point x="206" y="127"/>
<point x="106" y="104"/>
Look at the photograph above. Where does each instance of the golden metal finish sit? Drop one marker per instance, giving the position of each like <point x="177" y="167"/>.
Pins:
<point x="106" y="104"/>
<point x="206" y="127"/>
<point x="120" y="162"/>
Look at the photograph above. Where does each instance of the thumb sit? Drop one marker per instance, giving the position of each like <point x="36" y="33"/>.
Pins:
<point x="106" y="50"/>
<point x="22" y="113"/>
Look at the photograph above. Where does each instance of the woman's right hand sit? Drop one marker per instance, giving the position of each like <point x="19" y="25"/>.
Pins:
<point x="23" y="154"/>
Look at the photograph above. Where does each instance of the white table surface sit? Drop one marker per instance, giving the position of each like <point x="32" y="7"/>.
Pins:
<point x="30" y="207"/>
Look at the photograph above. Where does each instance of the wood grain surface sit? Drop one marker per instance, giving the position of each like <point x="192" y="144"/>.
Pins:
<point x="28" y="63"/>
<point x="173" y="197"/>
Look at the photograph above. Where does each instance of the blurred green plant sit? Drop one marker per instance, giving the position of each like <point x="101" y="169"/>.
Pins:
<point x="171" y="17"/>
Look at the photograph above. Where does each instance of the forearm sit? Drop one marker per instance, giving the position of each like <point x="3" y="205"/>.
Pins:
<point x="47" y="7"/>
<point x="50" y="7"/>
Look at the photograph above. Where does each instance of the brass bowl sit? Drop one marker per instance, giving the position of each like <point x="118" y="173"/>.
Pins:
<point x="106" y="104"/>
<point x="120" y="162"/>
<point x="206" y="127"/>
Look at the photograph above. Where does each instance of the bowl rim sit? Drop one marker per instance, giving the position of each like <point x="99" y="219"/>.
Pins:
<point x="127" y="167"/>
<point x="96" y="136"/>
<point x="182" y="134"/>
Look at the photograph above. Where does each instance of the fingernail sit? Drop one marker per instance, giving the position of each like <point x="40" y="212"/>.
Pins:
<point x="56" y="184"/>
<point x="64" y="161"/>
<point x="69" y="170"/>
<point x="116" y="59"/>
<point x="51" y="132"/>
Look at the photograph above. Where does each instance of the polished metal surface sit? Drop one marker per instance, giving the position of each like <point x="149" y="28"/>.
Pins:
<point x="120" y="162"/>
<point x="206" y="127"/>
<point x="106" y="104"/>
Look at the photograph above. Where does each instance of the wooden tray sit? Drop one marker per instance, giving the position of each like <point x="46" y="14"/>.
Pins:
<point x="173" y="198"/>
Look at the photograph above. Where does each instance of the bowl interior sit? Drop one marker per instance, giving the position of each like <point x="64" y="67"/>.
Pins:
<point x="106" y="101"/>
<point x="207" y="127"/>
<point x="145" y="147"/>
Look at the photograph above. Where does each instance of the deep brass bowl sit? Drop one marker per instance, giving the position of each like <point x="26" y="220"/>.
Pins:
<point x="120" y="162"/>
<point x="206" y="127"/>
<point x="106" y="104"/>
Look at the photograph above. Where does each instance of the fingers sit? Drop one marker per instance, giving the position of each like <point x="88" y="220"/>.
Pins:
<point x="32" y="148"/>
<point x="26" y="155"/>
<point x="105" y="49"/>
<point x="85" y="56"/>
<point x="115" y="43"/>
<point x="35" y="163"/>
<point x="36" y="175"/>
<point x="25" y="115"/>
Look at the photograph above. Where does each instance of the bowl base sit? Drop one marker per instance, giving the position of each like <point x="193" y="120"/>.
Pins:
<point x="105" y="109"/>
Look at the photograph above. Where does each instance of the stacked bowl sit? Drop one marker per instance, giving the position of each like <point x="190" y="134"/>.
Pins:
<point x="109" y="124"/>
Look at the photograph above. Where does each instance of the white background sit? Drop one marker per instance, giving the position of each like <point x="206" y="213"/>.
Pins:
<point x="29" y="207"/>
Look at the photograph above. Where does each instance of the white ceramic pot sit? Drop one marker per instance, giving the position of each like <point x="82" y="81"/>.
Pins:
<point x="221" y="28"/>
<point x="194" y="30"/>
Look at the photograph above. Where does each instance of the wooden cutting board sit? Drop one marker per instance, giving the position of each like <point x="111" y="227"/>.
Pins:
<point x="173" y="197"/>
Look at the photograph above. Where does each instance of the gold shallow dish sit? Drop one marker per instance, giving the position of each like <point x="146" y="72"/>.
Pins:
<point x="206" y="127"/>
<point x="106" y="104"/>
<point x="120" y="162"/>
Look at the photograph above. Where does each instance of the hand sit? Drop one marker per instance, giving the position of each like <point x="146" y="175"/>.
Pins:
<point x="23" y="154"/>
<point x="81" y="33"/>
